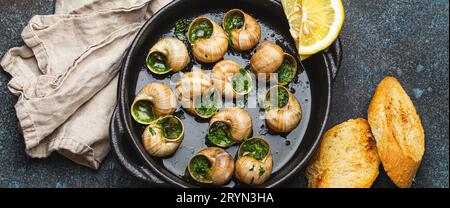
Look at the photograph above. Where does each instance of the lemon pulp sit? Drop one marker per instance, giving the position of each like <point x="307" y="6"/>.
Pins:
<point x="314" y="24"/>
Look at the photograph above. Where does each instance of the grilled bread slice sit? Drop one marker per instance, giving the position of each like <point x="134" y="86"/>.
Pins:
<point x="346" y="158"/>
<point x="397" y="130"/>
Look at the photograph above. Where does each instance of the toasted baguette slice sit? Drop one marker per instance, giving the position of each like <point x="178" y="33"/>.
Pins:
<point x="397" y="130"/>
<point x="346" y="158"/>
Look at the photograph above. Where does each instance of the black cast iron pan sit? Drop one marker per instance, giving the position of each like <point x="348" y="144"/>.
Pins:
<point x="290" y="151"/>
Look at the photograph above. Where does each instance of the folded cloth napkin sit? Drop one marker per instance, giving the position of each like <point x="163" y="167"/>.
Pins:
<point x="66" y="75"/>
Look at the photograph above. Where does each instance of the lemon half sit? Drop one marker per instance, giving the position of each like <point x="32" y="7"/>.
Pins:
<point x="314" y="24"/>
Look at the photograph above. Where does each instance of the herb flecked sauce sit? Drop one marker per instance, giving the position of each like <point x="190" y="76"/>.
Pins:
<point x="234" y="21"/>
<point x="286" y="72"/>
<point x="241" y="81"/>
<point x="144" y="111"/>
<point x="170" y="127"/>
<point x="219" y="134"/>
<point x="200" y="166"/>
<point x="254" y="148"/>
<point x="158" y="62"/>
<point x="206" y="107"/>
<point x="201" y="29"/>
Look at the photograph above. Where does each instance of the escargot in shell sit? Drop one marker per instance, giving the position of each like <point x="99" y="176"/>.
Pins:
<point x="231" y="79"/>
<point x="153" y="101"/>
<point x="212" y="165"/>
<point x="209" y="41"/>
<point x="243" y="30"/>
<point x="229" y="126"/>
<point x="288" y="70"/>
<point x="169" y="54"/>
<point x="254" y="164"/>
<point x="206" y="105"/>
<point x="267" y="59"/>
<point x="196" y="94"/>
<point x="283" y="111"/>
<point x="163" y="136"/>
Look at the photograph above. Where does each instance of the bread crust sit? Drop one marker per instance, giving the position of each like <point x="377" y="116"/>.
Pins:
<point x="346" y="158"/>
<point x="398" y="131"/>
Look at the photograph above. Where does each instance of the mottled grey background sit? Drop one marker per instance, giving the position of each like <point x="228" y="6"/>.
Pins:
<point x="407" y="39"/>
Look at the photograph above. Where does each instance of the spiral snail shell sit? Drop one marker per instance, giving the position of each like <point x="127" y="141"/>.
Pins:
<point x="163" y="136"/>
<point x="212" y="166"/>
<point x="229" y="126"/>
<point x="231" y="79"/>
<point x="283" y="111"/>
<point x="193" y="90"/>
<point x="254" y="164"/>
<point x="169" y="54"/>
<point x="209" y="41"/>
<point x="243" y="30"/>
<point x="153" y="101"/>
<point x="267" y="59"/>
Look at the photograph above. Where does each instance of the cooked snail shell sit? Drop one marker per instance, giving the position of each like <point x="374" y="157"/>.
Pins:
<point x="242" y="28"/>
<point x="287" y="70"/>
<point x="190" y="89"/>
<point x="206" y="105"/>
<point x="163" y="136"/>
<point x="283" y="113"/>
<point x="212" y="166"/>
<point x="267" y="59"/>
<point x="153" y="101"/>
<point x="231" y="79"/>
<point x="169" y="54"/>
<point x="193" y="84"/>
<point x="254" y="163"/>
<point x="209" y="41"/>
<point x="229" y="126"/>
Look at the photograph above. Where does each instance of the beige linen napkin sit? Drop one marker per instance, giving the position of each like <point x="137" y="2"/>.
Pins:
<point x="66" y="75"/>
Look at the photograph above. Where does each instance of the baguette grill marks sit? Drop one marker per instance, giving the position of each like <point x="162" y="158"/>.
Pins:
<point x="397" y="130"/>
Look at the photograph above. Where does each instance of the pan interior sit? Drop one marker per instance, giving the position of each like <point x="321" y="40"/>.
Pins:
<point x="288" y="149"/>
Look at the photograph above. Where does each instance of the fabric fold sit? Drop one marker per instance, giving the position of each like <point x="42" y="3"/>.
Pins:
<point x="66" y="75"/>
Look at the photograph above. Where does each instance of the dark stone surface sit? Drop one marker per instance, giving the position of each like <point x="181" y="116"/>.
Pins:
<point x="405" y="39"/>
